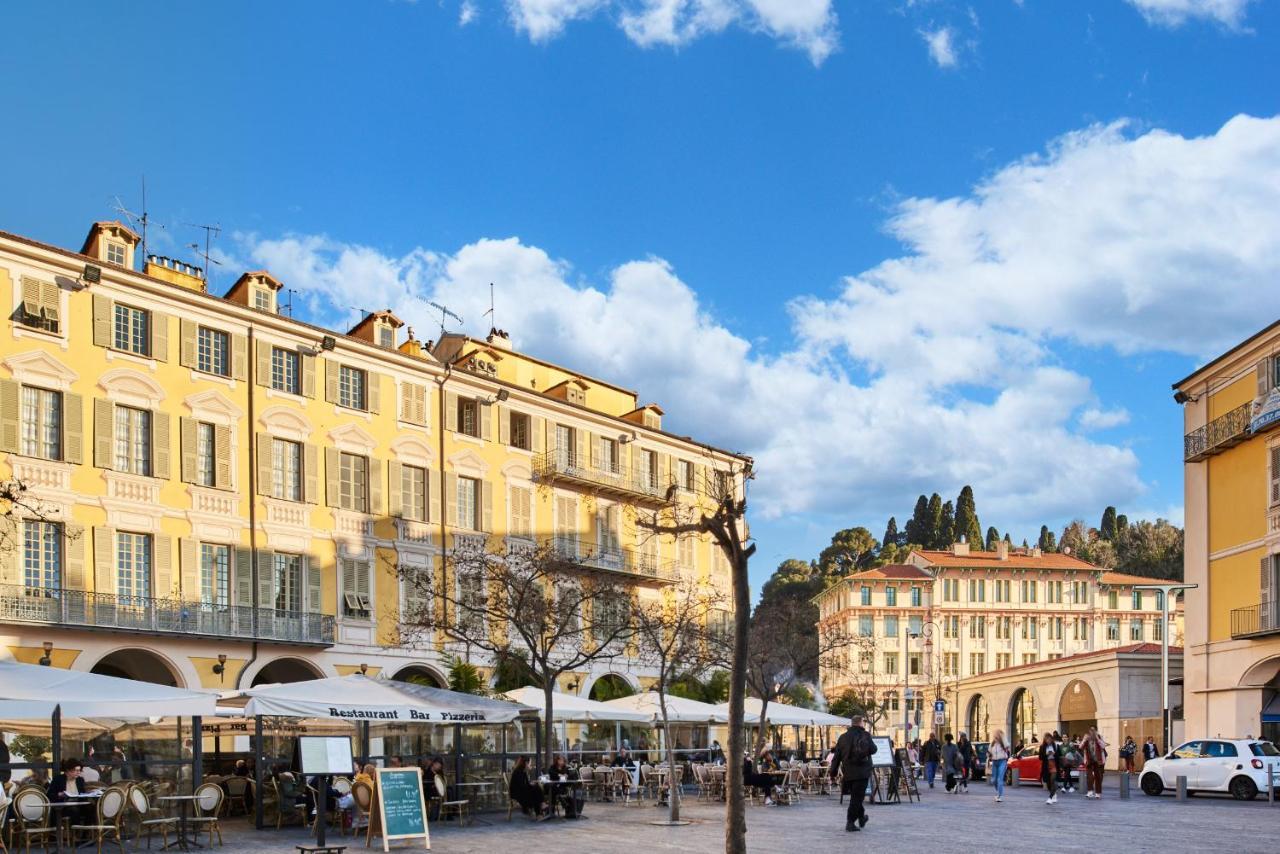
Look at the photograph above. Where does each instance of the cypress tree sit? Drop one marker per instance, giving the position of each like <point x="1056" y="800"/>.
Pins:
<point x="1122" y="524"/>
<point x="967" y="524"/>
<point x="947" y="527"/>
<point x="918" y="524"/>
<point x="1046" y="537"/>
<point x="934" y="524"/>
<point x="993" y="537"/>
<point x="1009" y="541"/>
<point x="1107" y="530"/>
<point x="890" y="533"/>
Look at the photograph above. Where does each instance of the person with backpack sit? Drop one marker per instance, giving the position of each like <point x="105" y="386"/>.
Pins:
<point x="998" y="753"/>
<point x="852" y="758"/>
<point x="1127" y="751"/>
<point x="931" y="755"/>
<point x="968" y="755"/>
<point x="952" y="765"/>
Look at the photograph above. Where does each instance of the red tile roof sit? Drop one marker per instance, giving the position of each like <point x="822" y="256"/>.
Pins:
<point x="1124" y="578"/>
<point x="991" y="560"/>
<point x="893" y="571"/>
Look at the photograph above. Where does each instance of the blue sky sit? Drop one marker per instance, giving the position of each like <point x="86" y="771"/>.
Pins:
<point x="885" y="247"/>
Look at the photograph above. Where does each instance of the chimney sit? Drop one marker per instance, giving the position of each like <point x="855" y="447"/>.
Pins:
<point x="412" y="346"/>
<point x="1036" y="552"/>
<point x="1002" y="550"/>
<point x="178" y="272"/>
<point x="499" y="339"/>
<point x="960" y="549"/>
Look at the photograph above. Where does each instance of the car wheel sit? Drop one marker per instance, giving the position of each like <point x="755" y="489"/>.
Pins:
<point x="1152" y="785"/>
<point x="1243" y="789"/>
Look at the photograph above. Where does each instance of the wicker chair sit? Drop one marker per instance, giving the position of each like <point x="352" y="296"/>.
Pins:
<point x="111" y="807"/>
<point x="32" y="808"/>
<point x="236" y="789"/>
<point x="207" y="808"/>
<point x="147" y="819"/>
<point x="362" y="798"/>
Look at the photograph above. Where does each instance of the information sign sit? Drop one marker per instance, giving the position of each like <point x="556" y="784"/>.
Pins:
<point x="325" y="754"/>
<point x="883" y="757"/>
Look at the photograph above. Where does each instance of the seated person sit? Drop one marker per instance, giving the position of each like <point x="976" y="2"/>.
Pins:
<point x="530" y="797"/>
<point x="291" y="794"/>
<point x="367" y="774"/>
<point x="69" y="786"/>
<point x="436" y="785"/>
<point x="564" y="786"/>
<point x="763" y="782"/>
<point x="241" y="769"/>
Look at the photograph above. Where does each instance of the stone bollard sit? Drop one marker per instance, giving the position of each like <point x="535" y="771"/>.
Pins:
<point x="1124" y="786"/>
<point x="1182" y="787"/>
<point x="1015" y="778"/>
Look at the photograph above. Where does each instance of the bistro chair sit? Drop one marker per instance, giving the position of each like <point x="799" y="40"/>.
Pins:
<point x="32" y="808"/>
<point x="285" y="811"/>
<point x="147" y="819"/>
<point x="236" y="789"/>
<point x="207" y="807"/>
<point x="111" y="806"/>
<point x="362" y="803"/>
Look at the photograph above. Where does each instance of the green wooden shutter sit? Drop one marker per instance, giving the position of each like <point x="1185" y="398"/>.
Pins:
<point x="395" y="489"/>
<point x="243" y="582"/>
<point x="331" y="477"/>
<point x="189" y="561"/>
<point x="311" y="474"/>
<point x="331" y="371"/>
<point x="267" y="579"/>
<point x="376" y="487"/>
<point x="189" y="332"/>
<point x="159" y="336"/>
<point x="10" y="415"/>
<point x="265" y="453"/>
<point x="450" y="411"/>
<point x="239" y="357"/>
<point x="308" y="375"/>
<point x="1275" y="475"/>
<point x="103" y="320"/>
<point x="72" y="427"/>
<point x="187" y="428"/>
<point x="434" y="513"/>
<point x="50" y="303"/>
<point x="374" y="397"/>
<point x="486" y="506"/>
<point x="104" y="413"/>
<point x="222" y="464"/>
<point x="262" y="363"/>
<point x="162" y="565"/>
<point x="159" y="444"/>
<point x="73" y="552"/>
<point x="104" y="560"/>
<point x="451" y="498"/>
<point x="315" y="605"/>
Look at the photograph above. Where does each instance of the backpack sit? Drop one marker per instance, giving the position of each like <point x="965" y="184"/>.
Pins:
<point x="862" y="748"/>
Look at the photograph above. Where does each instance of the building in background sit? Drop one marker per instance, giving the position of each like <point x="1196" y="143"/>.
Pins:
<point x="1232" y="484"/>
<point x="229" y="496"/>
<point x="919" y="630"/>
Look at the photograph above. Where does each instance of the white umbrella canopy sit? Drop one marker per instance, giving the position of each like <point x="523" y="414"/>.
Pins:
<point x="575" y="709"/>
<point x="679" y="709"/>
<point x="359" y="698"/>
<point x="781" y="714"/>
<point x="31" y="691"/>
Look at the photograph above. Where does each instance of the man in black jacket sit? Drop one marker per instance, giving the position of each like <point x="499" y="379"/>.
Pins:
<point x="853" y="757"/>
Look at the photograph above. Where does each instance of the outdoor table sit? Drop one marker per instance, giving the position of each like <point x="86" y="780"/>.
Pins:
<point x="183" y="801"/>
<point x="63" y="819"/>
<point x="480" y="786"/>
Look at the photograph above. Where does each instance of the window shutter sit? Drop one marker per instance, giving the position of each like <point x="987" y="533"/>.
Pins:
<point x="189" y="331"/>
<point x="308" y="375"/>
<point x="1264" y="377"/>
<point x="187" y="431"/>
<point x="159" y="336"/>
<point x="103" y="425"/>
<point x="450" y="498"/>
<point x="10" y="415"/>
<point x="582" y="451"/>
<point x="162" y="563"/>
<point x="103" y="320"/>
<point x="331" y="371"/>
<point x="406" y="402"/>
<point x="420" y="404"/>
<point x="314" y="603"/>
<point x="222" y="457"/>
<point x="242" y="581"/>
<point x="311" y="474"/>
<point x="374" y="396"/>
<point x="31" y="298"/>
<point x="504" y="425"/>
<point x="484" y="412"/>
<point x="265" y="449"/>
<point x="104" y="560"/>
<point x="262" y="363"/>
<point x="395" y="489"/>
<point x="331" y="480"/>
<point x="376" y="487"/>
<point x="486" y="514"/>
<point x="189" y="559"/>
<point x="362" y="584"/>
<point x="239" y="357"/>
<point x="72" y="427"/>
<point x="266" y="579"/>
<point x="538" y="427"/>
<point x="1275" y="475"/>
<point x="1267" y="605"/>
<point x="434" y="514"/>
<point x="159" y="444"/>
<point x="450" y="411"/>
<point x="73" y="549"/>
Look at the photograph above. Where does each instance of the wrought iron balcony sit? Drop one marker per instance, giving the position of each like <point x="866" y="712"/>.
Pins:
<point x="634" y="483"/>
<point x="82" y="610"/>
<point x="625" y="561"/>
<point x="1256" y="620"/>
<point x="1218" y="435"/>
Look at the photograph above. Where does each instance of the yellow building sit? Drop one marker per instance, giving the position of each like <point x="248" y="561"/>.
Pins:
<point x="1232" y="484"/>
<point x="946" y="616"/>
<point x="220" y="495"/>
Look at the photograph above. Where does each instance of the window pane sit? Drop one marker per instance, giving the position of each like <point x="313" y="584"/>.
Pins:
<point x="288" y="582"/>
<point x="41" y="558"/>
<point x="467" y="488"/>
<point x="133" y="567"/>
<point x="286" y="470"/>
<point x="215" y="574"/>
<point x="351" y="384"/>
<point x="41" y="423"/>
<point x="133" y="440"/>
<point x="211" y="351"/>
<point x="204" y="454"/>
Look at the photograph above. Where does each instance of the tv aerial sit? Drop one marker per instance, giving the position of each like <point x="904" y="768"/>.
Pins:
<point x="444" y="313"/>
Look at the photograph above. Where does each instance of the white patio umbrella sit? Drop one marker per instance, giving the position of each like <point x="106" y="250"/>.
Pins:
<point x="781" y="714"/>
<point x="679" y="709"/>
<point x="359" y="698"/>
<point x="574" y="709"/>
<point x="31" y="691"/>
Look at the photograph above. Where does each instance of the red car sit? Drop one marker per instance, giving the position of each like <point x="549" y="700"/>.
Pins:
<point x="1027" y="764"/>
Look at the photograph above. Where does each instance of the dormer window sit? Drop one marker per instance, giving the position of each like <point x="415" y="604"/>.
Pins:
<point x="263" y="299"/>
<point x="386" y="336"/>
<point x="116" y="253"/>
<point x="576" y="395"/>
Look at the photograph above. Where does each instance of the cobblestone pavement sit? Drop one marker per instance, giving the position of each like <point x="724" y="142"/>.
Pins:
<point x="941" y="822"/>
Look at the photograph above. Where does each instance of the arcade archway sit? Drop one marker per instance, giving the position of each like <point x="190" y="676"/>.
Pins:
<point x="611" y="686"/>
<point x="286" y="670"/>
<point x="140" y="664"/>
<point x="1022" y="717"/>
<point x="977" y="720"/>
<point x="1077" y="709"/>
<point x="420" y="674"/>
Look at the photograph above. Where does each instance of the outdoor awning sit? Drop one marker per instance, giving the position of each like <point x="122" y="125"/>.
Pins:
<point x="570" y="707"/>
<point x="781" y="714"/>
<point x="1271" y="711"/>
<point x="31" y="691"/>
<point x="679" y="709"/>
<point x="359" y="698"/>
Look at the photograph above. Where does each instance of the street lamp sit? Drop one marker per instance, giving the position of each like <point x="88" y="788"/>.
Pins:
<point x="1167" y="591"/>
<point x="926" y="631"/>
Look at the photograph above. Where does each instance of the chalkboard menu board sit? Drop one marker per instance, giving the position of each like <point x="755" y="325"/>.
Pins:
<point x="400" y="805"/>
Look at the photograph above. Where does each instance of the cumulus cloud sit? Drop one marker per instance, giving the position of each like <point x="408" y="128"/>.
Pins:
<point x="941" y="44"/>
<point x="1133" y="243"/>
<point x="467" y="12"/>
<point x="1173" y="13"/>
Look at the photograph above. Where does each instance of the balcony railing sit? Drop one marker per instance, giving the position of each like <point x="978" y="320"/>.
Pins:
<point x="625" y="561"/>
<point x="1218" y="435"/>
<point x="80" y="609"/>
<point x="1256" y="620"/>
<point x="628" y="482"/>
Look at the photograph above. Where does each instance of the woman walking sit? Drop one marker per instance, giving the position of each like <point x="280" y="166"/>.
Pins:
<point x="998" y="753"/>
<point x="952" y="765"/>
<point x="1095" y="762"/>
<point x="1049" y="761"/>
<point x="965" y="746"/>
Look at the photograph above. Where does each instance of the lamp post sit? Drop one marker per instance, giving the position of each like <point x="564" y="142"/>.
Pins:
<point x="1167" y="591"/>
<point x="926" y="632"/>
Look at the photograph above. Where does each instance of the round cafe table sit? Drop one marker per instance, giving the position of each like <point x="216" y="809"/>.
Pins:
<point x="184" y="802"/>
<point x="62" y="819"/>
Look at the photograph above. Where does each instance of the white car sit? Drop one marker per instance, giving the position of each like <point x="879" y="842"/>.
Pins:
<point x="1237" y="765"/>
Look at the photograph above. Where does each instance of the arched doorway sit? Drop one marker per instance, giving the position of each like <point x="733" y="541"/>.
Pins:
<point x="140" y="664"/>
<point x="419" y="674"/>
<point x="285" y="670"/>
<point x="611" y="686"/>
<point x="978" y="719"/>
<point x="1022" y="717"/>
<point x="1078" y="708"/>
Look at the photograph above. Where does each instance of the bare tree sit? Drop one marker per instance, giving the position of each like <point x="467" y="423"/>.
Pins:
<point x="537" y="603"/>
<point x="678" y="635"/>
<point x="855" y="662"/>
<point x="17" y="505"/>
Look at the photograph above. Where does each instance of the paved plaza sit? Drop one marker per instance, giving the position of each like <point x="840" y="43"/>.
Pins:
<point x="941" y="822"/>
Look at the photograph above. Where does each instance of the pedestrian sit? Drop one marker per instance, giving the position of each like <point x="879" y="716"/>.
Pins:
<point x="1049" y="762"/>
<point x="931" y="754"/>
<point x="952" y="765"/>
<point x="1127" y="751"/>
<point x="998" y="753"/>
<point x="853" y="758"/>
<point x="967" y="754"/>
<point x="1095" y="762"/>
<point x="1068" y="762"/>
<point x="1149" y="750"/>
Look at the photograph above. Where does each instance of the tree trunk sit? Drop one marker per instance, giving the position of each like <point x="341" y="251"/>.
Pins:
<point x="735" y="824"/>
<point x="548" y="725"/>
<point x="762" y="737"/>
<point x="673" y="791"/>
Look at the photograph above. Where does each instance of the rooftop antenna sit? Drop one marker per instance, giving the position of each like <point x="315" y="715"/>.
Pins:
<point x="289" y="305"/>
<point x="444" y="312"/>
<point x="139" y="221"/>
<point x="493" y="323"/>
<point x="210" y="232"/>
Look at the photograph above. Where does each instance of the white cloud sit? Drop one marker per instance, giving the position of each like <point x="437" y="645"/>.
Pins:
<point x="1144" y="243"/>
<point x="941" y="44"/>
<point x="1173" y="13"/>
<point x="467" y="12"/>
<point x="545" y="19"/>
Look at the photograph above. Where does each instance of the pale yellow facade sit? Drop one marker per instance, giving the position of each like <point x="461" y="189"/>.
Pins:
<point x="223" y="488"/>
